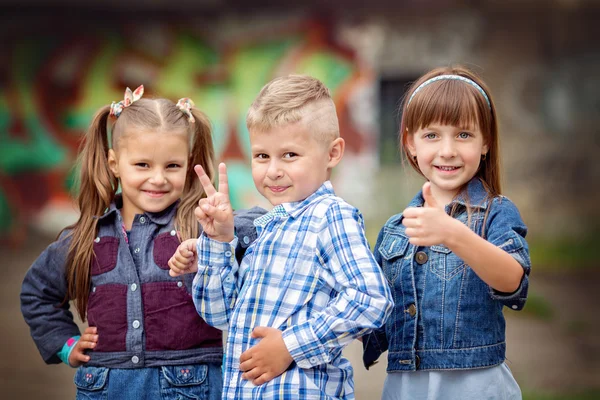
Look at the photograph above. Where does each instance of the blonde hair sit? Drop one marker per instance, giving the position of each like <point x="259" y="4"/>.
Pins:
<point x="292" y="99"/>
<point x="98" y="185"/>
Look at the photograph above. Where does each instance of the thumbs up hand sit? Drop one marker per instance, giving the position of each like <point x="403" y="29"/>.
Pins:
<point x="428" y="225"/>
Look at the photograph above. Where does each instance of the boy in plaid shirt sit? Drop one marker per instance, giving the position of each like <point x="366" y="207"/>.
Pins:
<point x="309" y="284"/>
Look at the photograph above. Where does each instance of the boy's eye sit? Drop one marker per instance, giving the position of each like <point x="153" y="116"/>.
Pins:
<point x="289" y="154"/>
<point x="464" y="135"/>
<point x="261" y="156"/>
<point x="430" y="135"/>
<point x="142" y="165"/>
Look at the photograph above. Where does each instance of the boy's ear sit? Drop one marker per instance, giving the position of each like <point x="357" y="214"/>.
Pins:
<point x="336" y="152"/>
<point x="113" y="163"/>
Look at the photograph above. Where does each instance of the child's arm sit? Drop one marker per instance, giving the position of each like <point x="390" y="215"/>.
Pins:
<point x="214" y="289"/>
<point x="375" y="343"/>
<point x="43" y="304"/>
<point x="362" y="302"/>
<point x="430" y="225"/>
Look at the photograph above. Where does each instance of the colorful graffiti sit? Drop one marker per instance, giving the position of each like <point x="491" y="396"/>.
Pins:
<point x="53" y="86"/>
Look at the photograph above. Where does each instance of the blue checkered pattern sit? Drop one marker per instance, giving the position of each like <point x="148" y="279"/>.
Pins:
<point x="310" y="274"/>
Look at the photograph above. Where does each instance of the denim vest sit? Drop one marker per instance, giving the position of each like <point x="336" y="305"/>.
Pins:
<point x="145" y="317"/>
<point x="445" y="316"/>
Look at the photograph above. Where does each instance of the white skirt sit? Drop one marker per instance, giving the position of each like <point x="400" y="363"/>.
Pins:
<point x="495" y="383"/>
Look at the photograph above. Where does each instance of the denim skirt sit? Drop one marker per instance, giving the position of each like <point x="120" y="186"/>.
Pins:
<point x="198" y="381"/>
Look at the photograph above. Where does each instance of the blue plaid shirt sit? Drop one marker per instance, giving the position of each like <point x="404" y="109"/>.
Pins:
<point x="310" y="274"/>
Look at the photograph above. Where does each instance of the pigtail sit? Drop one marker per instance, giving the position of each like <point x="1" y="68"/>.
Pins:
<point x="97" y="190"/>
<point x="201" y="153"/>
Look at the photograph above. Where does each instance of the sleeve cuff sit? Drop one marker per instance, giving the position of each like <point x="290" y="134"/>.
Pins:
<point x="212" y="253"/>
<point x="304" y="346"/>
<point x="67" y="348"/>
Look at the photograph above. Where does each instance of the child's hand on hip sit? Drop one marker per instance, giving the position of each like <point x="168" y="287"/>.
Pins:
<point x="88" y="340"/>
<point x="428" y="225"/>
<point x="268" y="359"/>
<point x="214" y="212"/>
<point x="185" y="259"/>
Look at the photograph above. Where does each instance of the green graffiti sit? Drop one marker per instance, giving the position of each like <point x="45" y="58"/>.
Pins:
<point x="39" y="151"/>
<point x="6" y="219"/>
<point x="222" y="85"/>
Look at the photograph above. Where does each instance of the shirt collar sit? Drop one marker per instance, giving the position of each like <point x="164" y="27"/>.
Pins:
<point x="163" y="217"/>
<point x="294" y="209"/>
<point x="475" y="196"/>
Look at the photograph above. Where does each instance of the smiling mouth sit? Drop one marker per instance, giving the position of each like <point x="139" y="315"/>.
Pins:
<point x="278" y="189"/>
<point x="446" y="168"/>
<point x="154" y="194"/>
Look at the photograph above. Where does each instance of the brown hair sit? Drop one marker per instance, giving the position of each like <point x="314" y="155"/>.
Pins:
<point x="98" y="185"/>
<point x="457" y="103"/>
<point x="294" y="98"/>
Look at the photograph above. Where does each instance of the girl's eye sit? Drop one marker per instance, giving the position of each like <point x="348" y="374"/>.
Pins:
<point x="289" y="155"/>
<point x="464" y="135"/>
<point x="173" y="166"/>
<point x="142" y="165"/>
<point x="430" y="136"/>
<point x="261" y="156"/>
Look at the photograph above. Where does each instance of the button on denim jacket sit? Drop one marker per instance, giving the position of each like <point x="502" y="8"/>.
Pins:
<point x="144" y="317"/>
<point x="458" y="323"/>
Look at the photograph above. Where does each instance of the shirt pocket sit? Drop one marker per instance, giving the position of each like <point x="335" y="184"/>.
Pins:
<point x="165" y="246"/>
<point x="393" y="250"/>
<point x="444" y="263"/>
<point x="106" y="249"/>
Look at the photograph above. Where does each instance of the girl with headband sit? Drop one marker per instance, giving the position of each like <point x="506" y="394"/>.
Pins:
<point x="145" y="339"/>
<point x="456" y="256"/>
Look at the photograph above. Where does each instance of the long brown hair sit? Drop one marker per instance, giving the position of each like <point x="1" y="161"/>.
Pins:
<point x="98" y="185"/>
<point x="456" y="103"/>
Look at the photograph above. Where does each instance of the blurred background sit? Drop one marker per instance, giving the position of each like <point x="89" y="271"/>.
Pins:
<point x="61" y="60"/>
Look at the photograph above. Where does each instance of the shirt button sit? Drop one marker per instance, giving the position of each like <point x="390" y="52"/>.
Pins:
<point x="142" y="220"/>
<point x="179" y="284"/>
<point x="227" y="253"/>
<point x="514" y="306"/>
<point x="412" y="310"/>
<point x="94" y="289"/>
<point x="135" y="359"/>
<point x="246" y="239"/>
<point x="97" y="240"/>
<point x="421" y="257"/>
<point x="313" y="360"/>
<point x="133" y="287"/>
<point x="136" y="324"/>
<point x="137" y="250"/>
<point x="173" y="233"/>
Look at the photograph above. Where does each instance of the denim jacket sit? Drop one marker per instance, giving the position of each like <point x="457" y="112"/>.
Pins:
<point x="445" y="316"/>
<point x="145" y="317"/>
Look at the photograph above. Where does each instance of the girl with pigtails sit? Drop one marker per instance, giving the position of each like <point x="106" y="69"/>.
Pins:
<point x="144" y="338"/>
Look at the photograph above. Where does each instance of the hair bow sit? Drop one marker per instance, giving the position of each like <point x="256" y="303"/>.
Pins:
<point x="185" y="105"/>
<point x="116" y="108"/>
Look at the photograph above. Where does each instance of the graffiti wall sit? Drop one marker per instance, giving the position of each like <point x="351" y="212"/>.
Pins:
<point x="53" y="84"/>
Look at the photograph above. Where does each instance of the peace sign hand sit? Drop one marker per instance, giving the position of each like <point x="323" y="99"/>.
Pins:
<point x="214" y="212"/>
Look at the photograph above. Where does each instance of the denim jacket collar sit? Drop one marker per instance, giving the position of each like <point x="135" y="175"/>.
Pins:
<point x="163" y="217"/>
<point x="474" y="196"/>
